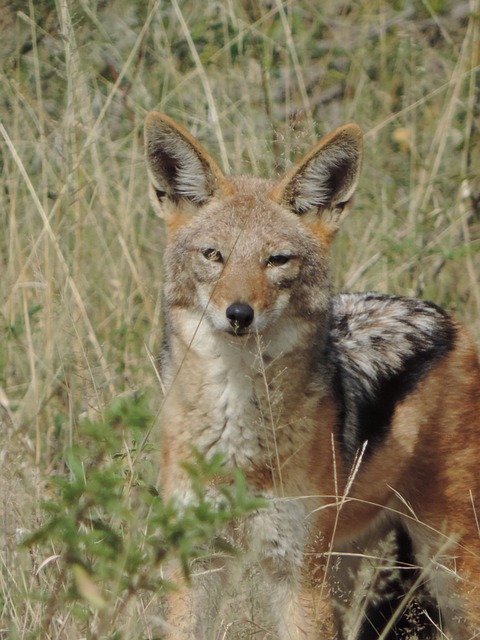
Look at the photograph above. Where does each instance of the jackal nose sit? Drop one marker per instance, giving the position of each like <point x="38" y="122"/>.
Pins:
<point x="240" y="315"/>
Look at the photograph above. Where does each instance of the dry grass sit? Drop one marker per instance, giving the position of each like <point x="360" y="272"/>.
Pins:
<point x="258" y="82"/>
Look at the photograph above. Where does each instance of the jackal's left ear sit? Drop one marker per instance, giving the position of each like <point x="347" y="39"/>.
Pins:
<point x="181" y="171"/>
<point x="324" y="180"/>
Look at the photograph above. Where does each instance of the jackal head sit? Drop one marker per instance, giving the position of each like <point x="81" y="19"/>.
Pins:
<point x="246" y="255"/>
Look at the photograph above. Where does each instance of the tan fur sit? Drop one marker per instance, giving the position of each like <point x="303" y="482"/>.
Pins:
<point x="287" y="442"/>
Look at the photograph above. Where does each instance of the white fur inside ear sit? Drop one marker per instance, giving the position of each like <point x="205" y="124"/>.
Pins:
<point x="190" y="177"/>
<point x="315" y="186"/>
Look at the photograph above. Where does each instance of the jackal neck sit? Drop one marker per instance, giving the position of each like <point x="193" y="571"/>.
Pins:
<point x="242" y="399"/>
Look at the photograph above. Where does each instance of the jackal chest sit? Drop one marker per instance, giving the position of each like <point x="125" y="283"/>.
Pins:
<point x="236" y="403"/>
<point x="237" y="411"/>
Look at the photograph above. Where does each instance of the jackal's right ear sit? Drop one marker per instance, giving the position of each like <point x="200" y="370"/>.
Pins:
<point x="182" y="174"/>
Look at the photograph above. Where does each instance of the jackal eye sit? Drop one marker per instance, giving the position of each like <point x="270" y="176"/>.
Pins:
<point x="277" y="261"/>
<point x="213" y="255"/>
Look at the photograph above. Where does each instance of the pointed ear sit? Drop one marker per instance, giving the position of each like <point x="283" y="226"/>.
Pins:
<point x="181" y="171"/>
<point x="325" y="179"/>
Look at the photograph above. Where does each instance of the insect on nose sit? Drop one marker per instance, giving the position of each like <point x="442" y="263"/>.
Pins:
<point x="240" y="315"/>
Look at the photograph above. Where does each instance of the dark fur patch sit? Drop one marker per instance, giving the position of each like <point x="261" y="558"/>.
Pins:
<point x="406" y="615"/>
<point x="382" y="347"/>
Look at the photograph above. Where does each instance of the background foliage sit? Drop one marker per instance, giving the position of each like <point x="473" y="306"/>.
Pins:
<point x="257" y="81"/>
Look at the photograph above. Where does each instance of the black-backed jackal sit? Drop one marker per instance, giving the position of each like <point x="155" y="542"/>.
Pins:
<point x="350" y="414"/>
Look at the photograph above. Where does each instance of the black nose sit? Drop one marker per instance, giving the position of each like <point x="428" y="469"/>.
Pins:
<point x="240" y="315"/>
